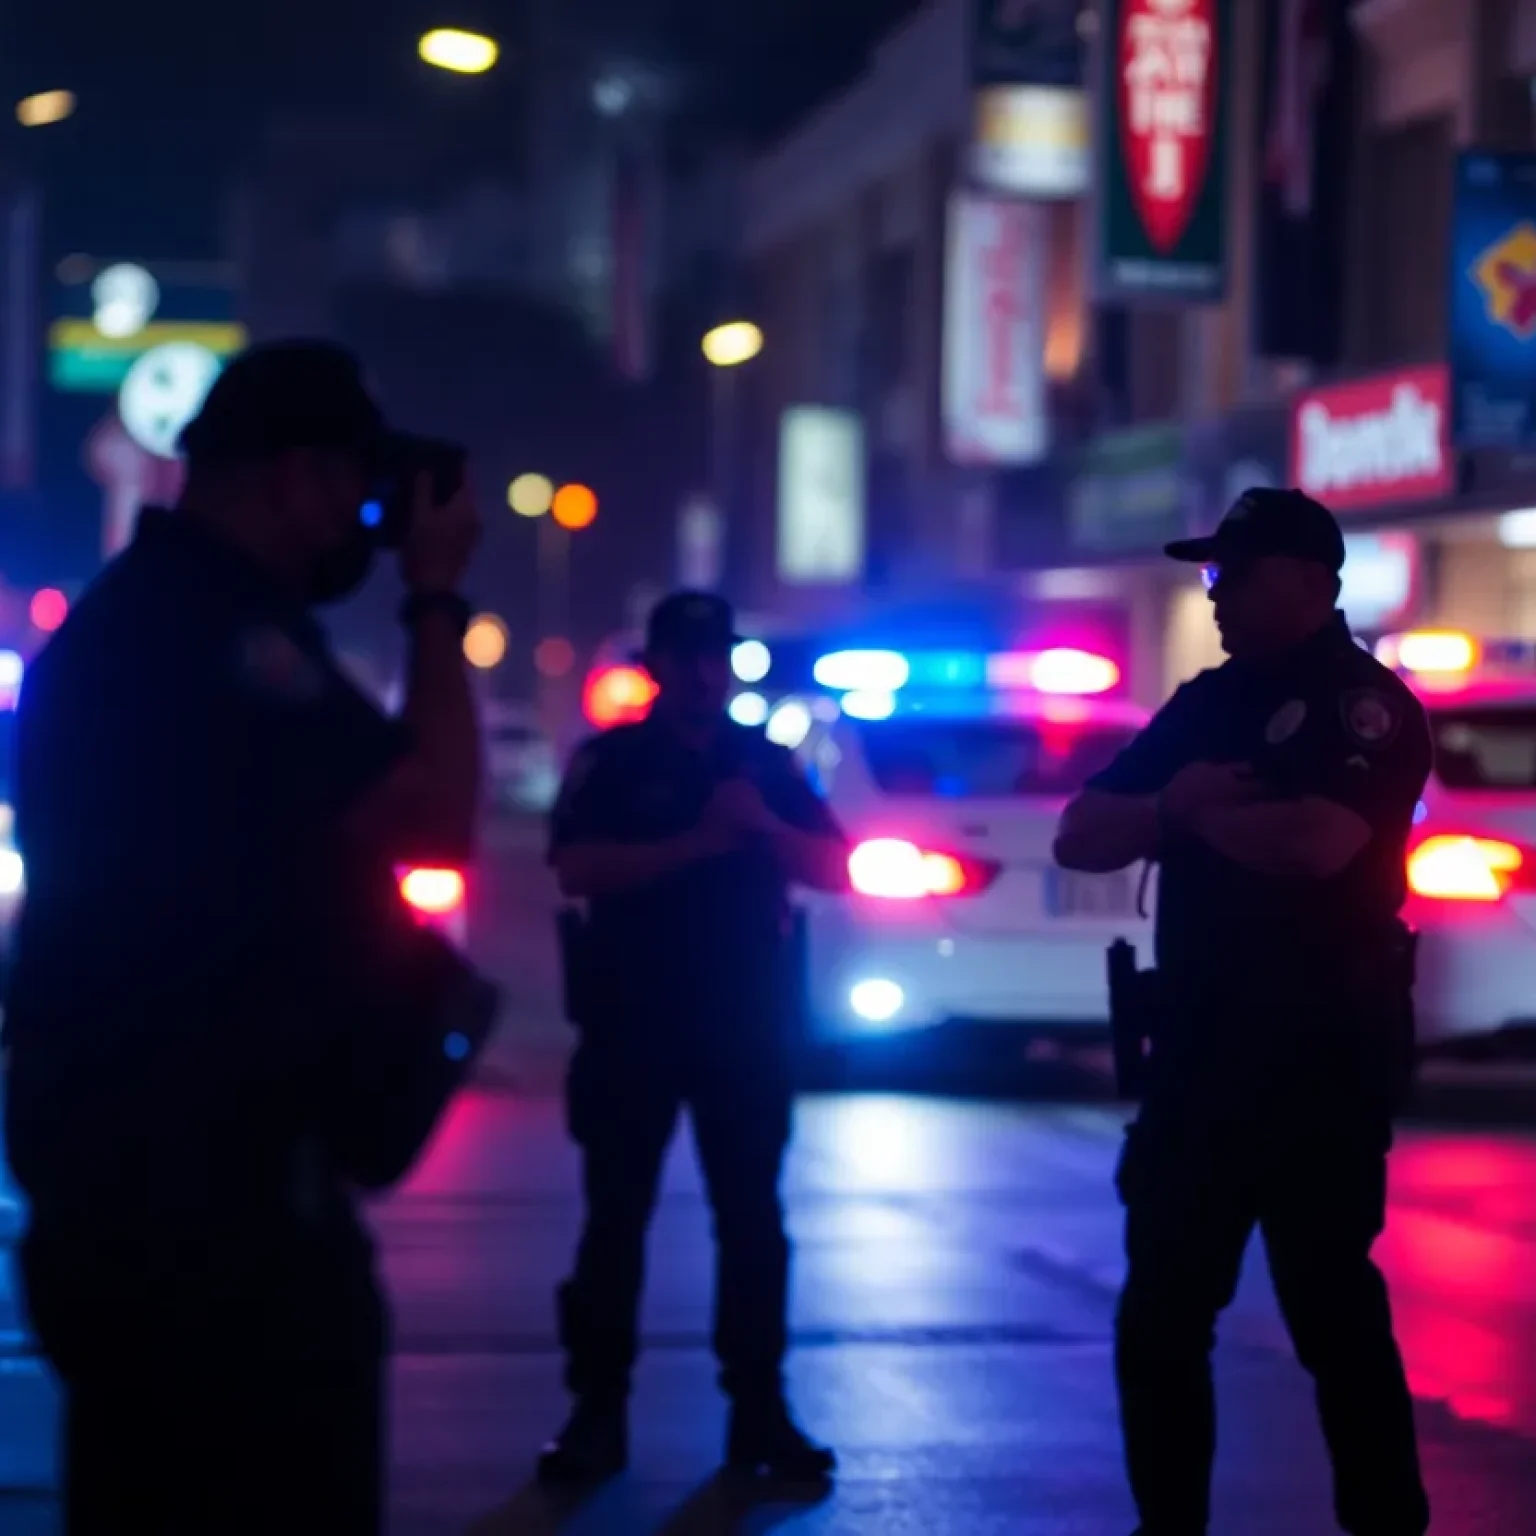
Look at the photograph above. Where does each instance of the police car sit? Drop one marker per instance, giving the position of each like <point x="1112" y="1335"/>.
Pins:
<point x="1472" y="861"/>
<point x="948" y="771"/>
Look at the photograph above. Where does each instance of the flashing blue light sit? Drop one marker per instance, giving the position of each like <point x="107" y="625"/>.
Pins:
<point x="1420" y="813"/>
<point x="869" y="704"/>
<point x="751" y="661"/>
<point x="949" y="669"/>
<point x="372" y="514"/>
<point x="456" y="1046"/>
<point x="749" y="709"/>
<point x="863" y="671"/>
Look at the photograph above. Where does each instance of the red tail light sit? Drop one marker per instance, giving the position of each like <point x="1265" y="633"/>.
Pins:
<point x="432" y="892"/>
<point x="617" y="696"/>
<point x="1453" y="867"/>
<point x="892" y="868"/>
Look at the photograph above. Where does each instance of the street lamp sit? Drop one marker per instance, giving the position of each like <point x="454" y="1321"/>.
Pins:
<point x="574" y="507"/>
<point x="531" y="495"/>
<point x="485" y="642"/>
<point x="463" y="53"/>
<point x="731" y="344"/>
<point x="725" y="348"/>
<point x="44" y="108"/>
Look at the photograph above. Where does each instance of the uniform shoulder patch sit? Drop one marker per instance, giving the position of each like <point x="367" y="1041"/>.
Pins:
<point x="1285" y="722"/>
<point x="1370" y="716"/>
<point x="274" y="663"/>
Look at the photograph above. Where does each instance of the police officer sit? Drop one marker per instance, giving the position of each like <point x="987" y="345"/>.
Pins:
<point x="683" y="834"/>
<point x="200" y="796"/>
<point x="1276" y="792"/>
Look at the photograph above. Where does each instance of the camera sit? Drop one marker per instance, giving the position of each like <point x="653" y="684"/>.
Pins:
<point x="388" y="511"/>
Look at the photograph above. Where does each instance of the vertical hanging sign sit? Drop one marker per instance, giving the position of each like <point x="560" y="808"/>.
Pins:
<point x="1165" y="111"/>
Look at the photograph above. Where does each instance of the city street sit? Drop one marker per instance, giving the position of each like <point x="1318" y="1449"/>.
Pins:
<point x="956" y="1263"/>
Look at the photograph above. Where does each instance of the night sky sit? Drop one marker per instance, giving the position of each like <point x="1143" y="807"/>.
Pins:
<point x="173" y="94"/>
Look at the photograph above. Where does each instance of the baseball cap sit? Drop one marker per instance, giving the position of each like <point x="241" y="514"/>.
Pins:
<point x="1268" y="522"/>
<point x="691" y="622"/>
<point x="283" y="395"/>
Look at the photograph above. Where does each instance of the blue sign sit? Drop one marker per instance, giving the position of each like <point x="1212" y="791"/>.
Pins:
<point x="1493" y="302"/>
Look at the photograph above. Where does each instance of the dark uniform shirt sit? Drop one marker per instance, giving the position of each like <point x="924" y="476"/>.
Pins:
<point x="707" y="939"/>
<point x="185" y="743"/>
<point x="1329" y="722"/>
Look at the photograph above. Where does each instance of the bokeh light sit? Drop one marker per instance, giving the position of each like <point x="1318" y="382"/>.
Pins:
<point x="44" y="108"/>
<point x="485" y="642"/>
<point x="554" y="656"/>
<point x="531" y="495"/>
<point x="751" y="661"/>
<point x="739" y="341"/>
<point x="465" y="53"/>
<point x="574" y="506"/>
<point x="49" y="609"/>
<point x="749" y="709"/>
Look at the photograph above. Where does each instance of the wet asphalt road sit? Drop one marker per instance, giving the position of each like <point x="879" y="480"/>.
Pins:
<point x="956" y="1263"/>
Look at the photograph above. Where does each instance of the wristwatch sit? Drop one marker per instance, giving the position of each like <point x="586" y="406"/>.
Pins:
<point x="418" y="605"/>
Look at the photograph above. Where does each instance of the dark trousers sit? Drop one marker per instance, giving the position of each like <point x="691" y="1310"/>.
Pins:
<point x="623" y="1110"/>
<point x="1195" y="1182"/>
<point x="195" y="1449"/>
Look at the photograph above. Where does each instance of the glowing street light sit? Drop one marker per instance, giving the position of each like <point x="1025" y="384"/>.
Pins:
<point x="44" y="108"/>
<point x="485" y="642"/>
<point x="736" y="342"/>
<point x="464" y="53"/>
<point x="531" y="495"/>
<point x="574" y="507"/>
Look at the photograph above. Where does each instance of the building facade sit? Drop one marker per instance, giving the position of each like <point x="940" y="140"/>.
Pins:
<point x="1273" y="277"/>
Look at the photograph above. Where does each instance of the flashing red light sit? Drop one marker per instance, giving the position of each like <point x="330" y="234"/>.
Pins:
<point x="48" y="610"/>
<point x="1458" y="867"/>
<point x="432" y="892"/>
<point x="896" y="870"/>
<point x="617" y="696"/>
<point x="1062" y="671"/>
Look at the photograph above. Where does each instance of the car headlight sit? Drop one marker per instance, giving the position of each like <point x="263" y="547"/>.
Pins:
<point x="13" y="875"/>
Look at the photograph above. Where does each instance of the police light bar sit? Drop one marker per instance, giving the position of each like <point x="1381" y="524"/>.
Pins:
<point x="1433" y="651"/>
<point x="863" y="671"/>
<point x="869" y="676"/>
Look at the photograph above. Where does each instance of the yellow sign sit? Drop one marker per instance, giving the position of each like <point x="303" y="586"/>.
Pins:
<point x="1506" y="272"/>
<point x="81" y="358"/>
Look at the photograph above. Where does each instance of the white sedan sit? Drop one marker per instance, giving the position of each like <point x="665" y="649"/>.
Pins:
<point x="958" y="919"/>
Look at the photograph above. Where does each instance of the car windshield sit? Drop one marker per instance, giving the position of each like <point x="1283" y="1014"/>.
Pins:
<point x="984" y="759"/>
<point x="1485" y="747"/>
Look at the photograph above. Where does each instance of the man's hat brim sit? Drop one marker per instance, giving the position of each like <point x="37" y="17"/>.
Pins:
<point x="1204" y="551"/>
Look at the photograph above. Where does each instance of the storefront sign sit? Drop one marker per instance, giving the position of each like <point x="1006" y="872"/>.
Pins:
<point x="821" y="496"/>
<point x="1375" y="441"/>
<point x="81" y="358"/>
<point x="994" y="333"/>
<point x="1163" y="149"/>
<point x="1131" y="492"/>
<point x="1493" y="302"/>
<point x="1032" y="141"/>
